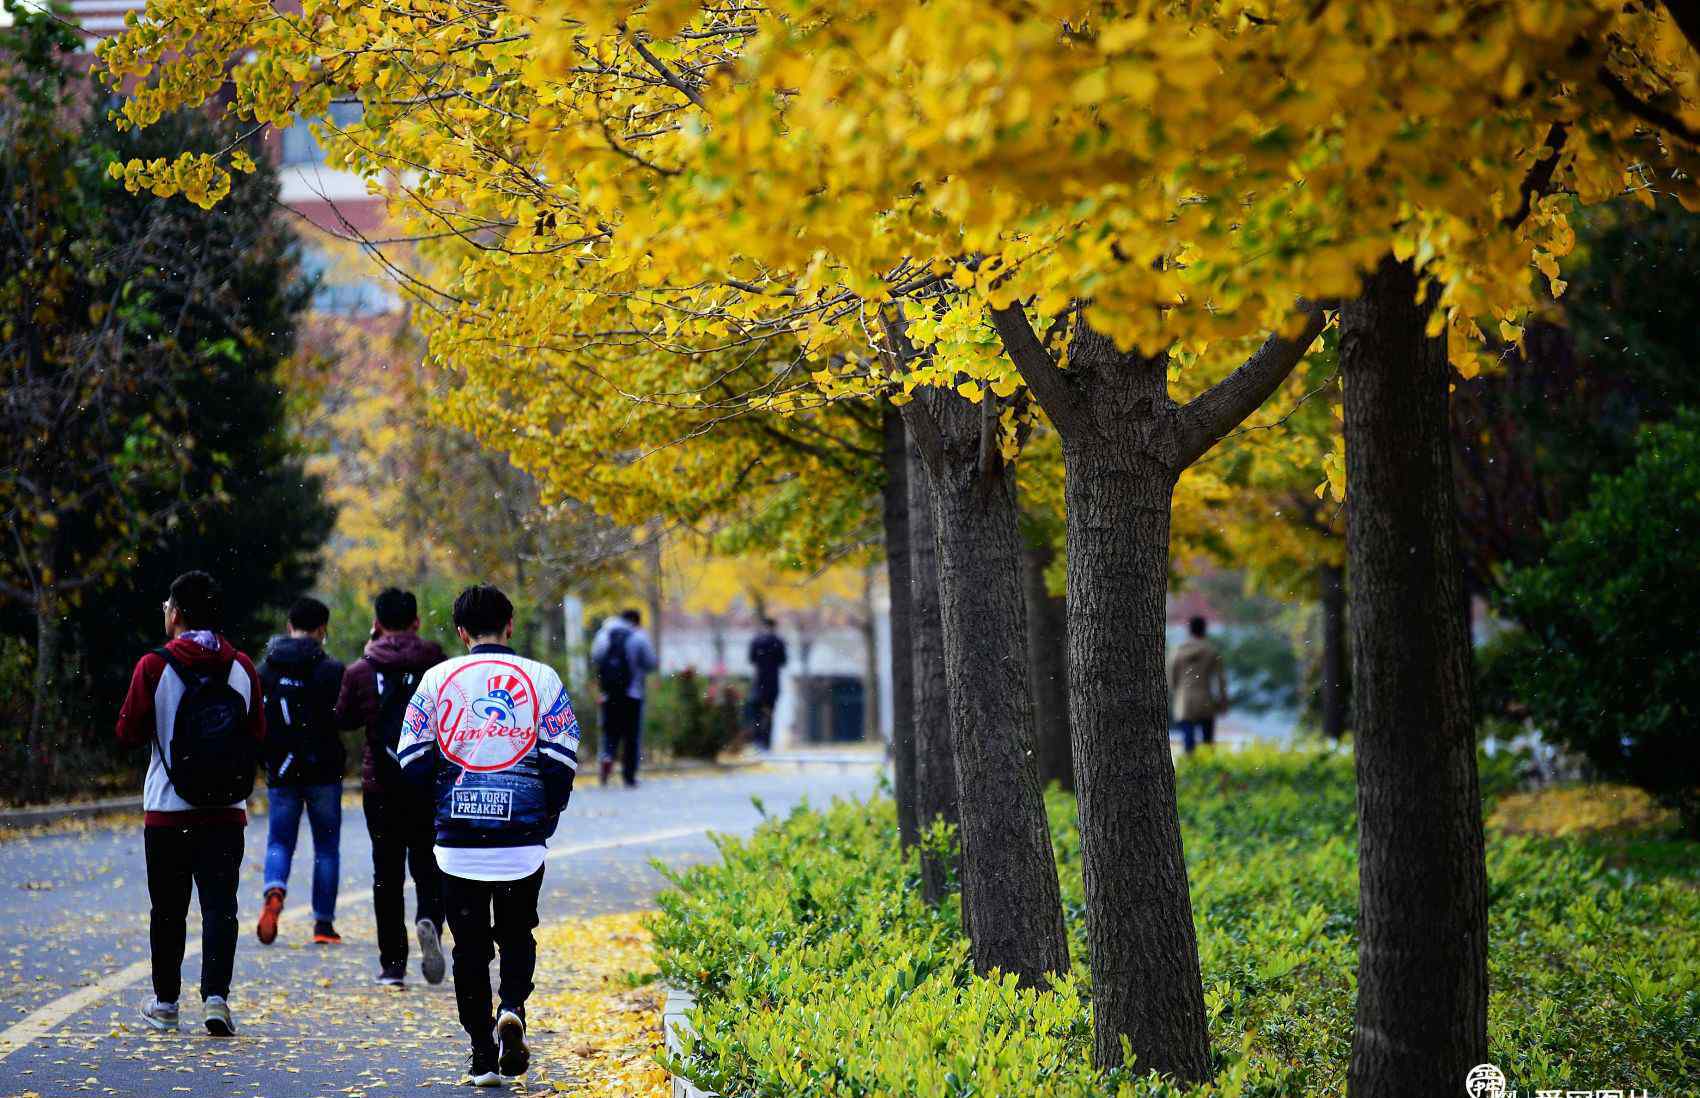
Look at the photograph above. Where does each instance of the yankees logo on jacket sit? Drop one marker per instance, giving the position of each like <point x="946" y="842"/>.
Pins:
<point x="492" y="737"/>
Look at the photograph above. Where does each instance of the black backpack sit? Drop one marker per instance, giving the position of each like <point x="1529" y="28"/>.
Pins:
<point x="294" y="724"/>
<point x="212" y="757"/>
<point x="614" y="669"/>
<point x="394" y="692"/>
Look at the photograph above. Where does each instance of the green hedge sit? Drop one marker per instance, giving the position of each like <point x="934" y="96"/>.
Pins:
<point x="823" y="973"/>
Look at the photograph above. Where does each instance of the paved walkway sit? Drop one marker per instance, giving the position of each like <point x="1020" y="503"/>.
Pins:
<point x="73" y="950"/>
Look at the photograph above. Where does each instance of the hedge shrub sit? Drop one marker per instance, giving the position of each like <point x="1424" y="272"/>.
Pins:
<point x="823" y="974"/>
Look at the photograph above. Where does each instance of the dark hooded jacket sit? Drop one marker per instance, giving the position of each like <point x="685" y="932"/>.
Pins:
<point x="304" y="746"/>
<point x="358" y="705"/>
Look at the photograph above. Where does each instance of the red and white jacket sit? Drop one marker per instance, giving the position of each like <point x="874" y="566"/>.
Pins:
<point x="150" y="707"/>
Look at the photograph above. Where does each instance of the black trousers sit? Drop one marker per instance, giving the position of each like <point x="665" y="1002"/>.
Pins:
<point x="622" y="734"/>
<point x="206" y="857"/>
<point x="403" y="829"/>
<point x="487" y="916"/>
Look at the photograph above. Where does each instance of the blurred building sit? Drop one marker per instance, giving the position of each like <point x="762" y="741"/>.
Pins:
<point x="331" y="204"/>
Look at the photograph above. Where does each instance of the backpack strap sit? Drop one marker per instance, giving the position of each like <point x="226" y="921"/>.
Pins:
<point x="164" y="761"/>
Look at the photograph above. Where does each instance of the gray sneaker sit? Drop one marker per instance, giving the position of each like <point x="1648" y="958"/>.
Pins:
<point x="219" y="1021"/>
<point x="161" y="1016"/>
<point x="431" y="964"/>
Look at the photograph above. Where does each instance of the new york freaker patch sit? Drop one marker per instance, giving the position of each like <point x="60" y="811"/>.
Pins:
<point x="481" y="804"/>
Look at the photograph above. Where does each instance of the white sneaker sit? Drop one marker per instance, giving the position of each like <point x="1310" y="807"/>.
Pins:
<point x="513" y="1058"/>
<point x="161" y="1016"/>
<point x="431" y="964"/>
<point x="218" y="1019"/>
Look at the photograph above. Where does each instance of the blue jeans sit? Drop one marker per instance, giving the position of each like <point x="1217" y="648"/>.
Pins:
<point x="324" y="817"/>
<point x="1192" y="731"/>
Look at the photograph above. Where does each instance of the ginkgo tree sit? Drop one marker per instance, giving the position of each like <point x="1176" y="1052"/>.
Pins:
<point x="1116" y="187"/>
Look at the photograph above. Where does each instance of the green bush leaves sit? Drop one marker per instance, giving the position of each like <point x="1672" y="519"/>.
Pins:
<point x="823" y="974"/>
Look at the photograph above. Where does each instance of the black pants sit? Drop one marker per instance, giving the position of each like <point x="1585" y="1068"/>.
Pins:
<point x="1204" y="729"/>
<point x="622" y="733"/>
<point x="487" y="916"/>
<point x="207" y="857"/>
<point x="403" y="829"/>
<point x="761" y="723"/>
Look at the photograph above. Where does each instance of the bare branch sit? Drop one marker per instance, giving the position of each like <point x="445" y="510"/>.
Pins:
<point x="666" y="73"/>
<point x="1539" y="180"/>
<point x="1655" y="116"/>
<point x="1220" y="408"/>
<point x="1049" y="383"/>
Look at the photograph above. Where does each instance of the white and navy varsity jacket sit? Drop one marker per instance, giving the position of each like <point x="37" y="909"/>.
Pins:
<point x="492" y="737"/>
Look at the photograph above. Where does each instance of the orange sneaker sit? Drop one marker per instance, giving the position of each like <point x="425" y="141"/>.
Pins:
<point x="325" y="934"/>
<point x="273" y="907"/>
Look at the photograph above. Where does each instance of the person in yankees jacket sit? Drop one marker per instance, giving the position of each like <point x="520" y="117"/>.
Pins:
<point x="492" y="737"/>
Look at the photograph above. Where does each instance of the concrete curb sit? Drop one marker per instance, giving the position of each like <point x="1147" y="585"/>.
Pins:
<point x="676" y="1024"/>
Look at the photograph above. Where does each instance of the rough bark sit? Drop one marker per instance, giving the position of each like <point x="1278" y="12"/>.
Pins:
<point x="1331" y="579"/>
<point x="1120" y="477"/>
<point x="1011" y="901"/>
<point x="897" y="569"/>
<point x="935" y="759"/>
<point x="1422" y="920"/>
<point x="1047" y="647"/>
<point x="1125" y="443"/>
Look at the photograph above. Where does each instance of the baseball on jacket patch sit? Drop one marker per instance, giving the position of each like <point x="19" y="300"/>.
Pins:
<point x="487" y="718"/>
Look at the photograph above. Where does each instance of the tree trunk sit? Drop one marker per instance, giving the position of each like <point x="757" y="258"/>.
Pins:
<point x="1125" y="443"/>
<point x="1331" y="578"/>
<point x="1011" y="902"/>
<point x="1119" y="482"/>
<point x="653" y="588"/>
<point x="1047" y="647"/>
<point x="935" y="759"/>
<point x="1422" y="897"/>
<point x="49" y="632"/>
<point x="897" y="570"/>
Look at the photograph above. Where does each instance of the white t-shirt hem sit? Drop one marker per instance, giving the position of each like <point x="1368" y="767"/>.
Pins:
<point x="490" y="863"/>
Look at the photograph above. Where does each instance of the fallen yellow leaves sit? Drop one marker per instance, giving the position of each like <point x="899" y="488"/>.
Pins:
<point x="1577" y="809"/>
<point x="584" y="992"/>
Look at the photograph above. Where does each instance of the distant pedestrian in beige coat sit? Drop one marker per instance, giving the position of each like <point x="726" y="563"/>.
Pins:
<point x="1198" y="686"/>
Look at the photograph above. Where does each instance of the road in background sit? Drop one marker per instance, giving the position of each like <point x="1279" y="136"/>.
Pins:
<point x="73" y="948"/>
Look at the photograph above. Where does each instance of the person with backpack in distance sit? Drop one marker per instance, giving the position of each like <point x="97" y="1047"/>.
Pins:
<point x="623" y="657"/>
<point x="304" y="764"/>
<point x="492" y="737"/>
<point x="199" y="704"/>
<point x="375" y="693"/>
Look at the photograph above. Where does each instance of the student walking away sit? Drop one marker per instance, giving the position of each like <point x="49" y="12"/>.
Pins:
<point x="624" y="657"/>
<point x="375" y="693"/>
<point x="493" y="737"/>
<point x="1198" y="686"/>
<point x="767" y="656"/>
<point x="305" y="760"/>
<point x="198" y="703"/>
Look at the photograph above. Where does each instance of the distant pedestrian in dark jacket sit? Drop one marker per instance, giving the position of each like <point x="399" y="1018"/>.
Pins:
<point x="304" y="766"/>
<point x="375" y="694"/>
<point x="189" y="847"/>
<point x="492" y="736"/>
<point x="767" y="657"/>
<point x="624" y="659"/>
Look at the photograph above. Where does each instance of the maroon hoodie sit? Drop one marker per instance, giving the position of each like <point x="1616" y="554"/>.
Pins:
<point x="357" y="706"/>
<point x="142" y="719"/>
